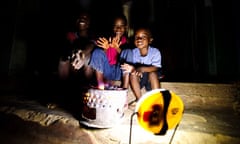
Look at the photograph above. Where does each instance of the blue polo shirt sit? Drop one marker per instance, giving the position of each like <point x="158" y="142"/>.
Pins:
<point x="153" y="57"/>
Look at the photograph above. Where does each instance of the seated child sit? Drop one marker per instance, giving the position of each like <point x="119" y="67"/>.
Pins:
<point x="142" y="64"/>
<point x="105" y="58"/>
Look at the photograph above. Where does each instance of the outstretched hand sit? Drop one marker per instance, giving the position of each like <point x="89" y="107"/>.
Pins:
<point x="103" y="43"/>
<point x="113" y="42"/>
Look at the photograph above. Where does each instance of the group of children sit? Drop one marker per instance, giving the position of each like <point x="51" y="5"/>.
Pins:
<point x="108" y="59"/>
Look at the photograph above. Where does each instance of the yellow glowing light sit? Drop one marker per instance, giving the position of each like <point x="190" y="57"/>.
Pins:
<point x="150" y="109"/>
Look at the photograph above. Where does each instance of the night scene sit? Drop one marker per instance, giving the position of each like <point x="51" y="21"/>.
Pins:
<point x="120" y="72"/>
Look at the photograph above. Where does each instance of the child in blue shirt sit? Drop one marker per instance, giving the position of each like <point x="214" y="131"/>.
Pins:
<point x="142" y="64"/>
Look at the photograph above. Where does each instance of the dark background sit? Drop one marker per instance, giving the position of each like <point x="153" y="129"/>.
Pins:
<point x="198" y="39"/>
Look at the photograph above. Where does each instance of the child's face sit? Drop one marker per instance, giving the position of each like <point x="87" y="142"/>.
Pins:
<point x="83" y="21"/>
<point x="119" y="27"/>
<point x="142" y="39"/>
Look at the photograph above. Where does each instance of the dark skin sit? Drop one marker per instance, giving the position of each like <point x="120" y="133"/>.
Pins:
<point x="83" y="54"/>
<point x="82" y="24"/>
<point x="142" y="40"/>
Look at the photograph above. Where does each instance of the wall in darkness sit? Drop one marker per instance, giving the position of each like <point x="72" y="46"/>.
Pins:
<point x="8" y="24"/>
<point x="236" y="33"/>
<point x="197" y="40"/>
<point x="195" y="37"/>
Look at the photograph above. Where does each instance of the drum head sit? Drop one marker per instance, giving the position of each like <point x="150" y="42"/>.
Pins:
<point x="159" y="109"/>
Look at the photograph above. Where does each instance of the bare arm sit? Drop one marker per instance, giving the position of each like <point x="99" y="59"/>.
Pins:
<point x="146" y="69"/>
<point x="138" y="70"/>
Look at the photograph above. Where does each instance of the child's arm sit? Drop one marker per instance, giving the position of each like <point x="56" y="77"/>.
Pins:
<point x="138" y="70"/>
<point x="146" y="69"/>
<point x="127" y="68"/>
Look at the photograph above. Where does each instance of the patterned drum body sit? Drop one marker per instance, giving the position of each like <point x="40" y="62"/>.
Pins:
<point x="103" y="108"/>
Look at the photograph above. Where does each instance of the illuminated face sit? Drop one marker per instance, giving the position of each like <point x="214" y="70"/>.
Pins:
<point x="119" y="27"/>
<point x="142" y="39"/>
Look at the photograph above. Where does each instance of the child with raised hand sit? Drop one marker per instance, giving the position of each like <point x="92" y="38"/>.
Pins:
<point x="105" y="59"/>
<point x="143" y="63"/>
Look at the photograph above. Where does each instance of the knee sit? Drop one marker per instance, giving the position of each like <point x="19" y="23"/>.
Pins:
<point x="133" y="78"/>
<point x="153" y="75"/>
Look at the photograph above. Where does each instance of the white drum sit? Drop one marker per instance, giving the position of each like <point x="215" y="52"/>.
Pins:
<point x="103" y="108"/>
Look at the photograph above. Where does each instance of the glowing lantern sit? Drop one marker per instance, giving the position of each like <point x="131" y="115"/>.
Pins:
<point x="159" y="110"/>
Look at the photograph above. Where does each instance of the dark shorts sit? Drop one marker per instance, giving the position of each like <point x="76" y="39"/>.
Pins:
<point x="144" y="80"/>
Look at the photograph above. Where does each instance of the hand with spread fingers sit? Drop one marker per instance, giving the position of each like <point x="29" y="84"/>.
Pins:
<point x="115" y="42"/>
<point x="78" y="59"/>
<point x="103" y="43"/>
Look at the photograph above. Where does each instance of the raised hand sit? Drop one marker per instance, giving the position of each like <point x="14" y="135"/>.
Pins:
<point x="103" y="43"/>
<point x="115" y="42"/>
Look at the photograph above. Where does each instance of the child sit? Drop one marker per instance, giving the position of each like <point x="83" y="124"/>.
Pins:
<point x="78" y="48"/>
<point x="82" y="27"/>
<point x="142" y="64"/>
<point x="104" y="59"/>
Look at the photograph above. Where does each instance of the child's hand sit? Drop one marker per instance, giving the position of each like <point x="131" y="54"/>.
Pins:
<point x="103" y="43"/>
<point x="115" y="42"/>
<point x="130" y="69"/>
<point x="137" y="73"/>
<point x="78" y="59"/>
<point x="127" y="68"/>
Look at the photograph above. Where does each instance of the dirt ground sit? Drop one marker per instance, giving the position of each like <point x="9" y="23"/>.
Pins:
<point x="211" y="116"/>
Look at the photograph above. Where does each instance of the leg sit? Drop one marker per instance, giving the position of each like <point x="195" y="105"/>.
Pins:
<point x="90" y="76"/>
<point x="153" y="79"/>
<point x="98" y="64"/>
<point x="64" y="69"/>
<point x="88" y="72"/>
<point x="99" y="77"/>
<point x="125" y="83"/>
<point x="135" y="85"/>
